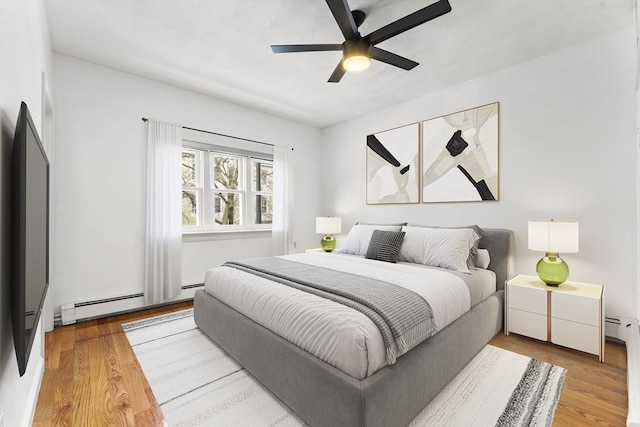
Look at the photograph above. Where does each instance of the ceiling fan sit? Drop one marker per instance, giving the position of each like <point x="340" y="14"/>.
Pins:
<point x="357" y="51"/>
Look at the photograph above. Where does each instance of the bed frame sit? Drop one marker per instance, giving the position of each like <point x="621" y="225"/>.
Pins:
<point x="322" y="395"/>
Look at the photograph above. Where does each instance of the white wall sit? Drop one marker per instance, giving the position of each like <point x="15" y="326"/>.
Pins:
<point x="567" y="151"/>
<point x="637" y="70"/>
<point x="100" y="185"/>
<point x="25" y="53"/>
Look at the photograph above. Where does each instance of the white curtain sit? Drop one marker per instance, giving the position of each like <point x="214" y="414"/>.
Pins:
<point x="281" y="232"/>
<point x="163" y="281"/>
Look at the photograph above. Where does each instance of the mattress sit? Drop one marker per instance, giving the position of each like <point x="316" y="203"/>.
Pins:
<point x="339" y="335"/>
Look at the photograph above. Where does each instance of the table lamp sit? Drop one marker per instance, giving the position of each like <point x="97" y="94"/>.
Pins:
<point x="328" y="225"/>
<point x="553" y="237"/>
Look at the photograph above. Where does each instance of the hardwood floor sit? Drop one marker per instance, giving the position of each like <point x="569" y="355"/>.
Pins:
<point x="92" y="378"/>
<point x="594" y="393"/>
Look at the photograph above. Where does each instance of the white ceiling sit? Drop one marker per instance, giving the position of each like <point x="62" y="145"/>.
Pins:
<point x="222" y="47"/>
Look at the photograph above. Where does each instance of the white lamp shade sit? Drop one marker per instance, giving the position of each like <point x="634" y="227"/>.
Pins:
<point x="553" y="236"/>
<point x="328" y="225"/>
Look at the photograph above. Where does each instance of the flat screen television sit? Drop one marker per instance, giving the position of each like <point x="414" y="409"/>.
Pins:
<point x="30" y="240"/>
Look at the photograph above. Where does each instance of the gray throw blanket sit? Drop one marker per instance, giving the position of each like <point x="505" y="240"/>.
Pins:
<point x="404" y="318"/>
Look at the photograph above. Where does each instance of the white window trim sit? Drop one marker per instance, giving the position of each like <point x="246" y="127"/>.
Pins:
<point x="201" y="236"/>
<point x="204" y="230"/>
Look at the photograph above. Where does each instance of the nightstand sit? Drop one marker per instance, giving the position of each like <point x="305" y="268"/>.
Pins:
<point x="571" y="315"/>
<point x="317" y="250"/>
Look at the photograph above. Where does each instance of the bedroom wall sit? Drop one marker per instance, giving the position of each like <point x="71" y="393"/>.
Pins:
<point x="637" y="80"/>
<point x="101" y="157"/>
<point x="25" y="53"/>
<point x="567" y="151"/>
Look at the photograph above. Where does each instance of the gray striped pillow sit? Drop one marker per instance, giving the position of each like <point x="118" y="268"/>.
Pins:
<point x="385" y="245"/>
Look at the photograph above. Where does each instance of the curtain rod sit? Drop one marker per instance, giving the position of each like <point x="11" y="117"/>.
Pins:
<point x="144" y="119"/>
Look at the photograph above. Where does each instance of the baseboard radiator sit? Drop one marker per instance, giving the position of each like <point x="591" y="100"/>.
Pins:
<point x="89" y="310"/>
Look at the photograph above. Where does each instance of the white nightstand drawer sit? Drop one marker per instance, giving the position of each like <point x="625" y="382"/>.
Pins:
<point x="576" y="335"/>
<point x="575" y="308"/>
<point x="528" y="299"/>
<point x="570" y="315"/>
<point x="528" y="324"/>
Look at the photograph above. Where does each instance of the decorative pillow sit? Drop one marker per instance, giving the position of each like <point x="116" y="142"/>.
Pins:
<point x="473" y="253"/>
<point x="438" y="247"/>
<point x="385" y="245"/>
<point x="357" y="241"/>
<point x="483" y="260"/>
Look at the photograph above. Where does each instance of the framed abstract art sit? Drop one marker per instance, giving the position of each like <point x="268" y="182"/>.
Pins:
<point x="460" y="156"/>
<point x="392" y="165"/>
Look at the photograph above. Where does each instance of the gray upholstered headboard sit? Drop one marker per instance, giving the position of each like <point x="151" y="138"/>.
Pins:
<point x="499" y="243"/>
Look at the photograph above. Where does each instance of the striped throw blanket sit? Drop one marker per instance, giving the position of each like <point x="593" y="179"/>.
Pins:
<point x="404" y="318"/>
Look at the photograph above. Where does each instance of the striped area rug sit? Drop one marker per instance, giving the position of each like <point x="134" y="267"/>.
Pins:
<point x="197" y="384"/>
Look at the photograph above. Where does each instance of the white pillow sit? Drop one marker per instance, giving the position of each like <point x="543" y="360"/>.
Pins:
<point x="483" y="260"/>
<point x="357" y="241"/>
<point x="438" y="247"/>
<point x="413" y="245"/>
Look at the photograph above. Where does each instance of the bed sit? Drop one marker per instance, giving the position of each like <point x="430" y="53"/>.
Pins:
<point x="391" y="395"/>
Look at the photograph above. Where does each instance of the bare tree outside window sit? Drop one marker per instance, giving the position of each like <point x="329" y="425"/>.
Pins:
<point x="225" y="191"/>
<point x="226" y="177"/>
<point x="189" y="189"/>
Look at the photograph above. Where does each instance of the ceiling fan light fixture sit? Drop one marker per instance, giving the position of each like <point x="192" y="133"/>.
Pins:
<point x="358" y="50"/>
<point x="357" y="62"/>
<point x="355" y="55"/>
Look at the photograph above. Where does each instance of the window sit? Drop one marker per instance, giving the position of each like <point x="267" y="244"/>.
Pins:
<point x="222" y="191"/>
<point x="227" y="188"/>
<point x="262" y="186"/>
<point x="191" y="190"/>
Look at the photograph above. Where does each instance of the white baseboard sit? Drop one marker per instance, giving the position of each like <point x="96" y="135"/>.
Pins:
<point x="32" y="399"/>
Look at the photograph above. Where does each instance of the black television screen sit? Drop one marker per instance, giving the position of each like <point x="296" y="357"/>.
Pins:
<point x="30" y="201"/>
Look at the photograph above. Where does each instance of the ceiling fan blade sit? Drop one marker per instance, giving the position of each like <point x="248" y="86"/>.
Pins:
<point x="289" y="48"/>
<point x="337" y="74"/>
<point x="423" y="15"/>
<point x="343" y="16"/>
<point x="391" y="58"/>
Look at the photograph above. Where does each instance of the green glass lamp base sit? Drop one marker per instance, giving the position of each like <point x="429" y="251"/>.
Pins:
<point x="328" y="243"/>
<point x="552" y="270"/>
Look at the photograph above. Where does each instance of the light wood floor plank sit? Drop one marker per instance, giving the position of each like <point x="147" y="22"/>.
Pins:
<point x="63" y="394"/>
<point x="82" y="402"/>
<point x="594" y="393"/>
<point x="93" y="378"/>
<point x="132" y="375"/>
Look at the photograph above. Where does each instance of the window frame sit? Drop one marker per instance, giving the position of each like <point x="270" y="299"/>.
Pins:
<point x="198" y="188"/>
<point x="255" y="193"/>
<point x="240" y="191"/>
<point x="206" y="208"/>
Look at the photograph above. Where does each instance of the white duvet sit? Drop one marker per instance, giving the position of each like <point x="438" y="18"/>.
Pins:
<point x="339" y="335"/>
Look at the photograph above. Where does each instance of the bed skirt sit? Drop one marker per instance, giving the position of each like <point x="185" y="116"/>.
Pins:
<point x="322" y="395"/>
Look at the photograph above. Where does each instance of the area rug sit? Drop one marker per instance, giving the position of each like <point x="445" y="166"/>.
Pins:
<point x="198" y="384"/>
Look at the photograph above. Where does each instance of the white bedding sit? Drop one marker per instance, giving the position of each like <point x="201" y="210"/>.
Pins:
<point x="339" y="335"/>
